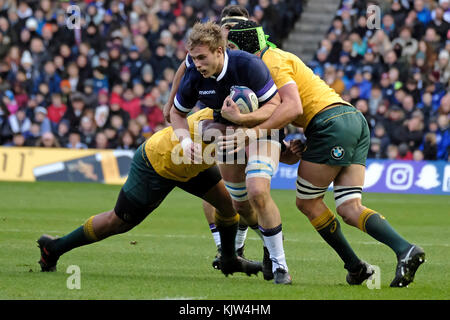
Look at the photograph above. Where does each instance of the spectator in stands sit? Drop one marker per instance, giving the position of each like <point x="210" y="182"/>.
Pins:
<point x="131" y="103"/>
<point x="423" y="13"/>
<point x="75" y="110"/>
<point x="62" y="132"/>
<point x="40" y="117"/>
<point x="380" y="133"/>
<point x="443" y="137"/>
<point x="332" y="79"/>
<point x="404" y="152"/>
<point x="87" y="130"/>
<point x="375" y="151"/>
<point x="429" y="147"/>
<point x="18" y="140"/>
<point x="74" y="141"/>
<point x="101" y="141"/>
<point x="56" y="110"/>
<point x="127" y="141"/>
<point x="411" y="133"/>
<point x="19" y="122"/>
<point x="392" y="152"/>
<point x="48" y="140"/>
<point x="418" y="155"/>
<point x="153" y="112"/>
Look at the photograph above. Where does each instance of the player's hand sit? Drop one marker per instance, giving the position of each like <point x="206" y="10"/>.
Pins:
<point x="192" y="151"/>
<point x="166" y="111"/>
<point x="230" y="111"/>
<point x="297" y="147"/>
<point x="293" y="152"/>
<point x="234" y="142"/>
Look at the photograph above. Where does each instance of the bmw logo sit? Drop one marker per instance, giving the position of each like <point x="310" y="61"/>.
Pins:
<point x="337" y="152"/>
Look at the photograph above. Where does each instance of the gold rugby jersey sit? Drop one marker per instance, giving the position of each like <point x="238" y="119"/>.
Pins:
<point x="314" y="93"/>
<point x="164" y="151"/>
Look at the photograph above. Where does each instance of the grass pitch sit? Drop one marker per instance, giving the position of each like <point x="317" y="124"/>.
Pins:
<point x="169" y="255"/>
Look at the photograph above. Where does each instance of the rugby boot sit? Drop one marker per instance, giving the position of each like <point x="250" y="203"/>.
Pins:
<point x="267" y="265"/>
<point x="48" y="260"/>
<point x="407" y="265"/>
<point x="281" y="276"/>
<point x="240" y="252"/>
<point x="239" y="264"/>
<point x="364" y="272"/>
<point x="216" y="261"/>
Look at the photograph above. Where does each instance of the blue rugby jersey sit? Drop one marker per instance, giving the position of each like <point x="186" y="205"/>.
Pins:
<point x="240" y="68"/>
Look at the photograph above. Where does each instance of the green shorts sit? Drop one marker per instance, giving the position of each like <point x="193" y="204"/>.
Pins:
<point x="338" y="136"/>
<point x="145" y="189"/>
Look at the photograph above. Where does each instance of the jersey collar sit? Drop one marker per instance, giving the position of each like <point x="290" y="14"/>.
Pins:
<point x="263" y="51"/>
<point x="225" y="67"/>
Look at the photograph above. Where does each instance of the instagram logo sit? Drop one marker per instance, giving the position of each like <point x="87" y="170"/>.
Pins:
<point x="399" y="176"/>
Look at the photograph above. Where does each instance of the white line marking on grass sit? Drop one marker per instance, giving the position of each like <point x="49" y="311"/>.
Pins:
<point x="193" y="236"/>
<point x="182" y="298"/>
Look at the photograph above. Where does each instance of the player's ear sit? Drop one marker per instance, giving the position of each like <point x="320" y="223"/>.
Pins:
<point x="220" y="50"/>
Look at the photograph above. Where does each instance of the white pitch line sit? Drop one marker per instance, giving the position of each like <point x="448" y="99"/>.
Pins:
<point x="189" y="236"/>
<point x="181" y="298"/>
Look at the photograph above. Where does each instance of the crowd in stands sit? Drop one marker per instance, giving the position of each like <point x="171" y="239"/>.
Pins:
<point x="395" y="69"/>
<point x="104" y="85"/>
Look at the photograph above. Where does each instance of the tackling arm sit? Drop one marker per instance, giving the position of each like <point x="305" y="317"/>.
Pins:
<point x="289" y="109"/>
<point x="230" y="111"/>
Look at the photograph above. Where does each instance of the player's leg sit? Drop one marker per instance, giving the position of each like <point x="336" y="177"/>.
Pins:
<point x="209" y="212"/>
<point x="312" y="183"/>
<point x="143" y="191"/>
<point x="332" y="137"/>
<point x="348" y="186"/>
<point x="262" y="164"/>
<point x="209" y="186"/>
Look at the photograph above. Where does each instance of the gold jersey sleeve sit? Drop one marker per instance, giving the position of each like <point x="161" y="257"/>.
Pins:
<point x="314" y="93"/>
<point x="164" y="150"/>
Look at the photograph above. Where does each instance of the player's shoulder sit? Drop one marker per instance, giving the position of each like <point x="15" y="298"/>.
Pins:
<point x="239" y="58"/>
<point x="278" y="56"/>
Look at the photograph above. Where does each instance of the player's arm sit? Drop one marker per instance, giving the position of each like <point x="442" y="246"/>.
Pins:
<point x="180" y="124"/>
<point x="173" y="91"/>
<point x="289" y="109"/>
<point x="230" y="111"/>
<point x="183" y="103"/>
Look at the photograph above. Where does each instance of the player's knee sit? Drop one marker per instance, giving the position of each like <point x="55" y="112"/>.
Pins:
<point x="350" y="210"/>
<point x="258" y="195"/>
<point x="117" y="224"/>
<point x="306" y="206"/>
<point x="243" y="207"/>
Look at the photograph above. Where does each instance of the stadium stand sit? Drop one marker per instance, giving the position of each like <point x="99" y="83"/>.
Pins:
<point x="108" y="78"/>
<point x="395" y="72"/>
<point x="103" y="85"/>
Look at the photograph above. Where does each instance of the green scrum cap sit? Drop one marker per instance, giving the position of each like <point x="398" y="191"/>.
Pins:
<point x="249" y="36"/>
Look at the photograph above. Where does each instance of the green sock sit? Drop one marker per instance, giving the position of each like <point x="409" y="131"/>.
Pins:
<point x="377" y="227"/>
<point x="79" y="237"/>
<point x="330" y="230"/>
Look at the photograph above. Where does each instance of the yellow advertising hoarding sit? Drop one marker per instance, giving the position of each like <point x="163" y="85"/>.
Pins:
<point x="57" y="164"/>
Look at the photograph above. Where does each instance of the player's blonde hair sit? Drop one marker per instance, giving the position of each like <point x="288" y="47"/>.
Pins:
<point x="209" y="34"/>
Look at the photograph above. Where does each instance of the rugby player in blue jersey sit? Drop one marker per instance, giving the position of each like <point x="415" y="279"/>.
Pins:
<point x="209" y="81"/>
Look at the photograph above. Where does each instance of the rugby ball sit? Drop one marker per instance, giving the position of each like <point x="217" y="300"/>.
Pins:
<point x="245" y="98"/>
